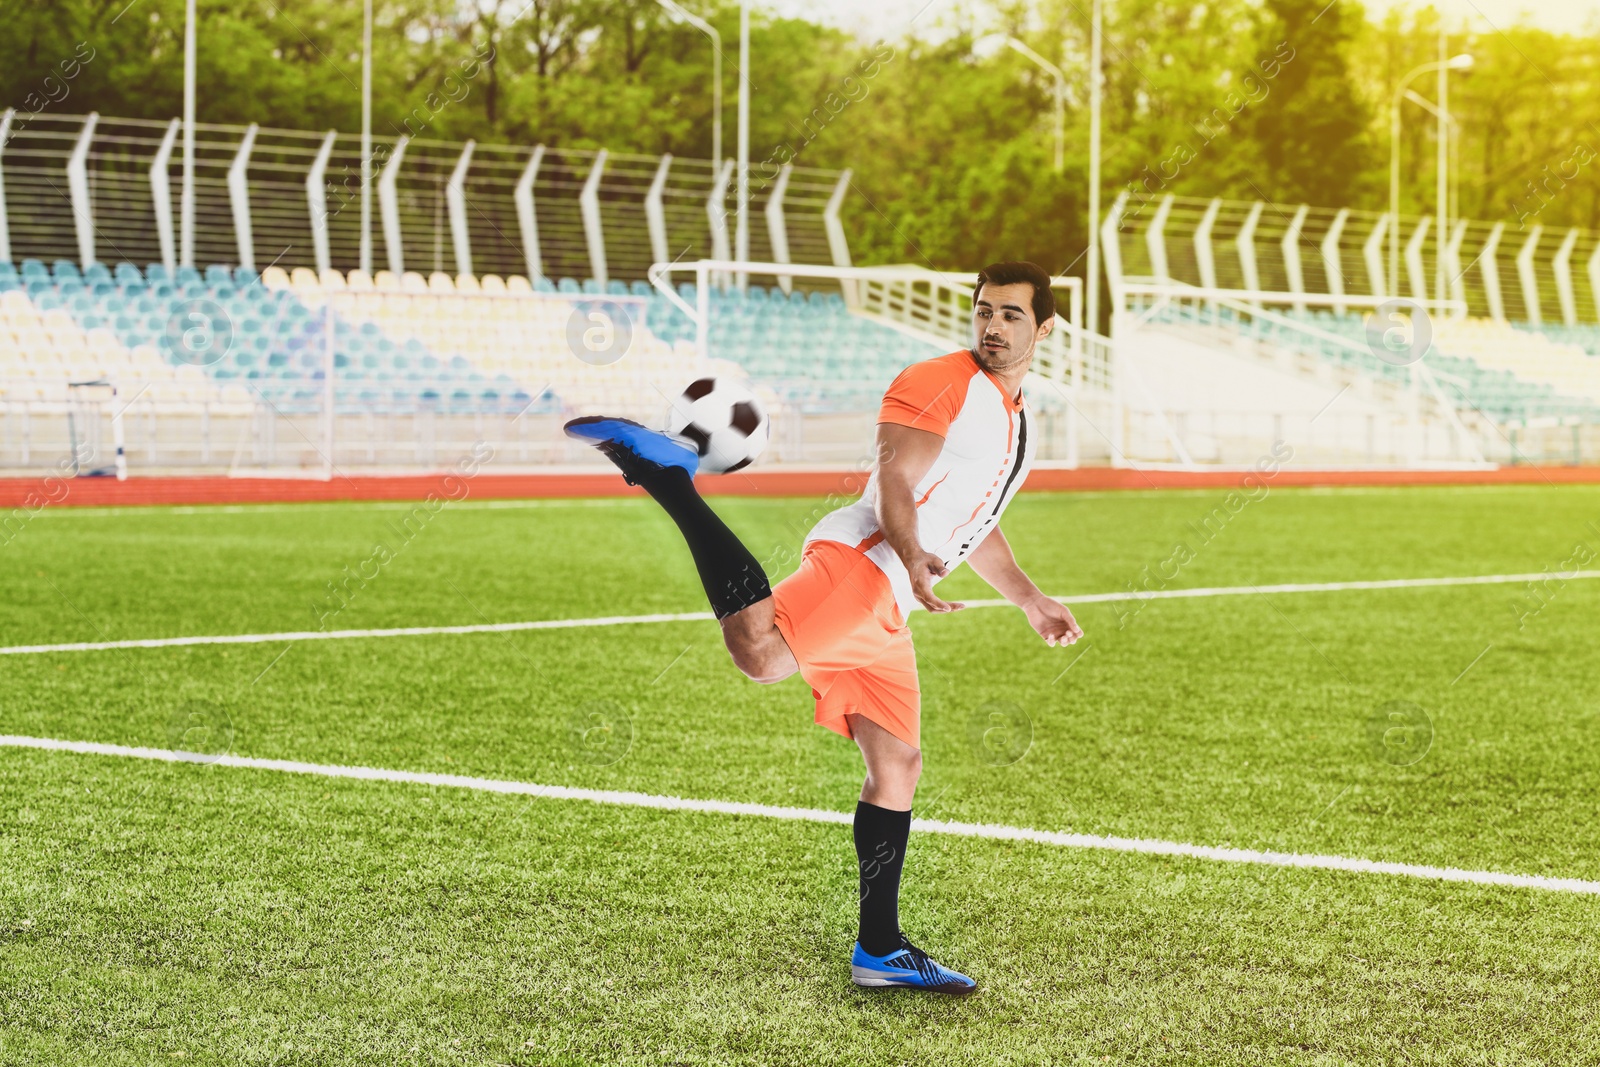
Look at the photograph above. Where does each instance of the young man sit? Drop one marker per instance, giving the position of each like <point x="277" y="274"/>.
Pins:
<point x="954" y="445"/>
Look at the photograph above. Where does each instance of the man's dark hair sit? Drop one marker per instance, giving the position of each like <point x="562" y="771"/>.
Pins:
<point x="1010" y="273"/>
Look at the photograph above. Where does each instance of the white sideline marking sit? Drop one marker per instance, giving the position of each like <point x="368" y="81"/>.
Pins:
<point x="161" y="510"/>
<point x="334" y="635"/>
<point x="986" y="831"/>
<point x="697" y="616"/>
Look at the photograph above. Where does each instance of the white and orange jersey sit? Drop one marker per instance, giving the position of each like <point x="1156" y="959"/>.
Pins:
<point x="989" y="444"/>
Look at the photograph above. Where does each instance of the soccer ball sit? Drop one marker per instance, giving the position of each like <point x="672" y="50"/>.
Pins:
<point x="724" y="421"/>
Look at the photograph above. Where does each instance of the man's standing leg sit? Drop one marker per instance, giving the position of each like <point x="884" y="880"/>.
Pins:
<point x="883" y="955"/>
<point x="882" y="828"/>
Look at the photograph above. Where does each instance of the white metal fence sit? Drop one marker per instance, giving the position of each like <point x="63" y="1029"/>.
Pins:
<point x="96" y="188"/>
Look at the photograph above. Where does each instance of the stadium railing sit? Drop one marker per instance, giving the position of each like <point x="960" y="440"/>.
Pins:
<point x="1070" y="384"/>
<point x="1411" y="388"/>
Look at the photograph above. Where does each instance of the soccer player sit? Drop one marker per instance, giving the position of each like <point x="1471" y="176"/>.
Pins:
<point x="954" y="444"/>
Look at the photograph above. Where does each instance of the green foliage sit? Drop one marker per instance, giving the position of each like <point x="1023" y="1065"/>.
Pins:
<point x="1311" y="126"/>
<point x="951" y="149"/>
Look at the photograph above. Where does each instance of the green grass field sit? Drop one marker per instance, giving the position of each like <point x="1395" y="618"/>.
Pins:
<point x="157" y="913"/>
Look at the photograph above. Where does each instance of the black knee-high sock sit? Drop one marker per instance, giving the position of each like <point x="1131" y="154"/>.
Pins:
<point x="732" y="578"/>
<point x="881" y="836"/>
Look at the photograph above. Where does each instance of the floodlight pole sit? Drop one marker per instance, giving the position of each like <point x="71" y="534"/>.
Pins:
<point x="366" y="138"/>
<point x="741" y="238"/>
<point x="679" y="14"/>
<point x="1441" y="185"/>
<point x="1092" y="282"/>
<point x="1443" y="66"/>
<point x="186" y="197"/>
<point x="1060" y="95"/>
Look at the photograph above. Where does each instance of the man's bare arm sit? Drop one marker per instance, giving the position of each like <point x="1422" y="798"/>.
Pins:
<point x="995" y="564"/>
<point x="905" y="455"/>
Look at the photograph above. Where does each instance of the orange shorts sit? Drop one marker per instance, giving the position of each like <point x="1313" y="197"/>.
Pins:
<point x="839" y="615"/>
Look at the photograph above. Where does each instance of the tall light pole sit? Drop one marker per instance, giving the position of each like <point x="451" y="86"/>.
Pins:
<point x="680" y="15"/>
<point x="1460" y="62"/>
<point x="741" y="240"/>
<point x="1441" y="186"/>
<point x="366" y="138"/>
<point x="1060" y="95"/>
<point x="186" y="196"/>
<point x="1096" y="33"/>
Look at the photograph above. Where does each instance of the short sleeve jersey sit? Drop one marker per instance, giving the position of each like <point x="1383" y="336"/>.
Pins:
<point x="989" y="444"/>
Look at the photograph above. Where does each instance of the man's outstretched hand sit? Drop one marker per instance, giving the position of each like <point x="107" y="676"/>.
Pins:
<point x="924" y="567"/>
<point x="1052" y="620"/>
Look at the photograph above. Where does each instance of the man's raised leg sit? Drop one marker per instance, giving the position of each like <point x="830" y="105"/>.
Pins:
<point x="734" y="582"/>
<point x="757" y="645"/>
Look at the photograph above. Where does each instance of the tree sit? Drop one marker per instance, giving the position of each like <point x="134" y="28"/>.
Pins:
<point x="1311" y="128"/>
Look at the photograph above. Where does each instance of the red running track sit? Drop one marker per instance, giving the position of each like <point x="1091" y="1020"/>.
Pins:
<point x="37" y="492"/>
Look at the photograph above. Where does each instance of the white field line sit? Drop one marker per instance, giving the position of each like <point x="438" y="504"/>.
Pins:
<point x="135" y="511"/>
<point x="696" y="616"/>
<point x="985" y="831"/>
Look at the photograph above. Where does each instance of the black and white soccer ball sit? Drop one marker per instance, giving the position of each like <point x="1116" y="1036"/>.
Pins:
<point x="724" y="421"/>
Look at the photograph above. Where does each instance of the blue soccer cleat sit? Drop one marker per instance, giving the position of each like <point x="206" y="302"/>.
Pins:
<point x="637" y="450"/>
<point x="907" y="967"/>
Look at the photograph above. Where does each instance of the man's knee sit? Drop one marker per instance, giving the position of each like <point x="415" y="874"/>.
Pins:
<point x="902" y="766"/>
<point x="760" y="666"/>
<point x="760" y="660"/>
<point x="757" y="648"/>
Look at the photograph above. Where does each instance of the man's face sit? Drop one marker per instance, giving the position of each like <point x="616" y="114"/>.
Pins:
<point x="1003" y="328"/>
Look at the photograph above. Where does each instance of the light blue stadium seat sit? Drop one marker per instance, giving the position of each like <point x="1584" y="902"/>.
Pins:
<point x="541" y="284"/>
<point x="617" y="288"/>
<point x="66" y="270"/>
<point x="593" y="287"/>
<point x="639" y="288"/>
<point x="568" y="285"/>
